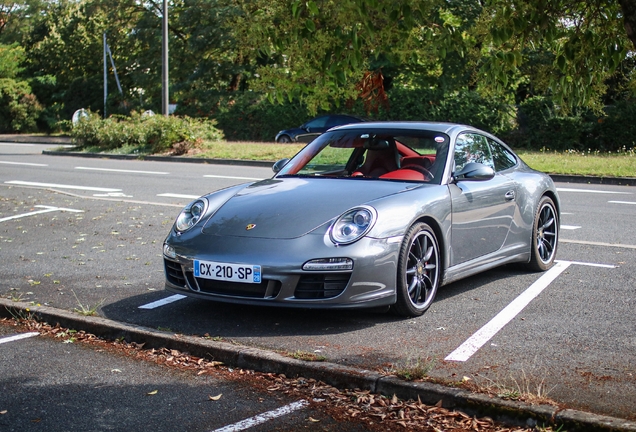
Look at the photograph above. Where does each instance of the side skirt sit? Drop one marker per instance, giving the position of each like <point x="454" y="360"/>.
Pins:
<point x="482" y="264"/>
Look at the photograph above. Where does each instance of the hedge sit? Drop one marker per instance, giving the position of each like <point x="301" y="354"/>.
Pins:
<point x="144" y="133"/>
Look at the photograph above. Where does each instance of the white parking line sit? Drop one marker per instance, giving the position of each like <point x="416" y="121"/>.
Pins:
<point x="162" y="302"/>
<point x="570" y="227"/>
<point x="232" y="177"/>
<point x="22" y="163"/>
<point x="591" y="243"/>
<point x="171" y="195"/>
<point x="47" y="209"/>
<point x="592" y="191"/>
<point x="122" y="170"/>
<point x="18" y="337"/>
<point x="262" y="418"/>
<point x="61" y="186"/>
<point x="590" y="264"/>
<point x="622" y="202"/>
<point x="484" y="334"/>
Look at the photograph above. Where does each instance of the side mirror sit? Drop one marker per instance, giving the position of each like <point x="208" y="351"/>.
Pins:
<point x="474" y="171"/>
<point x="279" y="165"/>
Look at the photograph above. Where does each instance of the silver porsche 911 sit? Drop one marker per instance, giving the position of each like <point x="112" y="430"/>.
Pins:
<point x="367" y="215"/>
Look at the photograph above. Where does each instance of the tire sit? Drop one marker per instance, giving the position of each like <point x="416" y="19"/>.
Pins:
<point x="418" y="272"/>
<point x="545" y="236"/>
<point x="284" y="139"/>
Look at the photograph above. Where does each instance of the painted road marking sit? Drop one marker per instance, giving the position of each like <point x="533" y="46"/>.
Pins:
<point x="262" y="418"/>
<point x="622" y="202"/>
<point x="484" y="334"/>
<point x="22" y="163"/>
<point x="113" y="195"/>
<point x="162" y="302"/>
<point x="47" y="209"/>
<point x="570" y="227"/>
<point x="592" y="191"/>
<point x="590" y="264"/>
<point x="591" y="243"/>
<point x="171" y="195"/>
<point x="18" y="337"/>
<point x="122" y="170"/>
<point x="61" y="186"/>
<point x="232" y="177"/>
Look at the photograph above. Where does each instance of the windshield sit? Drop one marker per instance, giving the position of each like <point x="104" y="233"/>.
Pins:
<point x="404" y="155"/>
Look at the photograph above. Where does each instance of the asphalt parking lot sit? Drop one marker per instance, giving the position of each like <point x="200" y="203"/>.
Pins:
<point x="566" y="334"/>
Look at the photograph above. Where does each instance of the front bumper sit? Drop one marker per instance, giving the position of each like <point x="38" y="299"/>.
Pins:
<point x="370" y="283"/>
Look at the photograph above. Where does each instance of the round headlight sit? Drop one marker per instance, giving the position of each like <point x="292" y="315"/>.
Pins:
<point x="191" y="214"/>
<point x="352" y="225"/>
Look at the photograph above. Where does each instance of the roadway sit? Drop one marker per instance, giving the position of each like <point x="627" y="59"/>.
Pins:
<point x="78" y="232"/>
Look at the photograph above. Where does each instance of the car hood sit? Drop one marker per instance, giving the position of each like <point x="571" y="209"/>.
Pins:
<point x="286" y="208"/>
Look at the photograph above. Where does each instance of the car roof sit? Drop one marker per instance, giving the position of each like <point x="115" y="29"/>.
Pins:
<point x="442" y="127"/>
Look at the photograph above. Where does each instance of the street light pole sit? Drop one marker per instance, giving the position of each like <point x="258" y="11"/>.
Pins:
<point x="105" y="77"/>
<point x="165" y="98"/>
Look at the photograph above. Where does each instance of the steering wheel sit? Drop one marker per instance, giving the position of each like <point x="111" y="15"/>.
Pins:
<point x="420" y="169"/>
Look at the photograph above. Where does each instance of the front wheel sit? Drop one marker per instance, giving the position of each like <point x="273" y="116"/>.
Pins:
<point x="545" y="236"/>
<point x="284" y="139"/>
<point x="418" y="273"/>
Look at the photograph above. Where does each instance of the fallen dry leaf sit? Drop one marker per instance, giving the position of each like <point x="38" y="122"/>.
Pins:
<point x="154" y="392"/>
<point x="313" y="420"/>
<point x="3" y="412"/>
<point x="215" y="398"/>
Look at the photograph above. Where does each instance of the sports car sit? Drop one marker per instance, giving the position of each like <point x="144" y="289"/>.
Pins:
<point x="367" y="215"/>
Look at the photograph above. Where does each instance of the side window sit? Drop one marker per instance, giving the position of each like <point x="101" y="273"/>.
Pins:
<point x="502" y="157"/>
<point x="336" y="120"/>
<point x="316" y="123"/>
<point x="471" y="147"/>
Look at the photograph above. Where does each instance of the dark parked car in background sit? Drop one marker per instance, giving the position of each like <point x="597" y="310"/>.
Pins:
<point x="310" y="130"/>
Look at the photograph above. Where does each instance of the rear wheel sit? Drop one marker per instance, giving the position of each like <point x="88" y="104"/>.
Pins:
<point x="545" y="234"/>
<point x="418" y="271"/>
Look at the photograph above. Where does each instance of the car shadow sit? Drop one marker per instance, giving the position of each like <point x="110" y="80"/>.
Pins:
<point x="201" y="317"/>
<point x="496" y="275"/>
<point x="226" y="320"/>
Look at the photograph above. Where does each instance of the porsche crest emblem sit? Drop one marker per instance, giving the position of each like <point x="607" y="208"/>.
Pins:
<point x="250" y="227"/>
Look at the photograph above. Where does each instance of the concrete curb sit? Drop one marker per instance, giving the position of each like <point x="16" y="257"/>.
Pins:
<point x="267" y="164"/>
<point x="623" y="181"/>
<point x="330" y="373"/>
<point x="36" y="139"/>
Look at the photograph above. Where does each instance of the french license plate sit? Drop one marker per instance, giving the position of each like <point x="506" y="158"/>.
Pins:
<point x="245" y="273"/>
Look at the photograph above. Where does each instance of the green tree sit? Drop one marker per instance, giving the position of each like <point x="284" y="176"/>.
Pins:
<point x="19" y="108"/>
<point x="318" y="50"/>
<point x="566" y="49"/>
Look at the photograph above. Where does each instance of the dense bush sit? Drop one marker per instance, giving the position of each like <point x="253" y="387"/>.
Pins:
<point x="616" y="131"/>
<point x="251" y="117"/>
<point x="540" y="126"/>
<point x="155" y="134"/>
<point x="466" y="107"/>
<point x="19" y="108"/>
<point x="246" y="116"/>
<point x="535" y="124"/>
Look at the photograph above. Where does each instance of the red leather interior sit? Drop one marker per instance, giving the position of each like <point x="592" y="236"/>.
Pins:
<point x="423" y="161"/>
<point x="404" y="174"/>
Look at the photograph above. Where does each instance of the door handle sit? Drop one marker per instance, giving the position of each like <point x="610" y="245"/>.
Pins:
<point x="510" y="195"/>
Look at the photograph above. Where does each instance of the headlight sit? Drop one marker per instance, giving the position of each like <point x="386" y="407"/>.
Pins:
<point x="191" y="214"/>
<point x="352" y="225"/>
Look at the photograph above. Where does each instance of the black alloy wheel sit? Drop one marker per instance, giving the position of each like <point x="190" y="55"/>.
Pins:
<point x="545" y="236"/>
<point x="418" y="271"/>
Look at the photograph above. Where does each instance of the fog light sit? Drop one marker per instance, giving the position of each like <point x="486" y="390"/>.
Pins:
<point x="325" y="264"/>
<point x="169" y="251"/>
